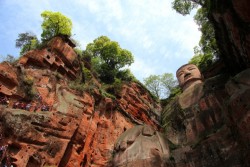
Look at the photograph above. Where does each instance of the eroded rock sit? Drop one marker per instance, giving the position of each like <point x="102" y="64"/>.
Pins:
<point x="141" y="146"/>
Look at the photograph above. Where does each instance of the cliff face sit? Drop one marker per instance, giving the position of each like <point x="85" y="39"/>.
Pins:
<point x="44" y="122"/>
<point x="213" y="130"/>
<point x="231" y="20"/>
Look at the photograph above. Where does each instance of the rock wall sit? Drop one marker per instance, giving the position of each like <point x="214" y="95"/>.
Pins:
<point x="46" y="123"/>
<point x="213" y="131"/>
<point x="231" y="19"/>
<point x="58" y="126"/>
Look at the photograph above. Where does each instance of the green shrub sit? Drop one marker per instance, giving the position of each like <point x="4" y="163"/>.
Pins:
<point x="28" y="86"/>
<point x="104" y="93"/>
<point x="87" y="74"/>
<point x="78" y="51"/>
<point x="125" y="75"/>
<point x="58" y="76"/>
<point x="117" y="85"/>
<point x="77" y="86"/>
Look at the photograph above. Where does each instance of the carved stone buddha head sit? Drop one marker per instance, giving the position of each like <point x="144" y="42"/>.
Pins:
<point x="188" y="75"/>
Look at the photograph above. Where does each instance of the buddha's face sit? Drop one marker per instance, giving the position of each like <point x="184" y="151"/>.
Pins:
<point x="188" y="73"/>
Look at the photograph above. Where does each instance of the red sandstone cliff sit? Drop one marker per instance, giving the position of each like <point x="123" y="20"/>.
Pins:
<point x="80" y="129"/>
<point x="44" y="122"/>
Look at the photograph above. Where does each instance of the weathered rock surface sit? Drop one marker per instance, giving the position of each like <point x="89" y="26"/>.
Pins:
<point x="213" y="131"/>
<point x="231" y="20"/>
<point x="138" y="105"/>
<point x="62" y="126"/>
<point x="141" y="146"/>
<point x="8" y="79"/>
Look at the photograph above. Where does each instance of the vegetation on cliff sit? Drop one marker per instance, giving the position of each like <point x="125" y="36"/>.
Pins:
<point x="55" y="23"/>
<point x="108" y="59"/>
<point x="103" y="59"/>
<point x="207" y="50"/>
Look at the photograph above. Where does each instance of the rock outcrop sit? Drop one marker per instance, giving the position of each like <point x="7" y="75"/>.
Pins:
<point x="214" y="130"/>
<point x="46" y="123"/>
<point x="141" y="146"/>
<point x="231" y="20"/>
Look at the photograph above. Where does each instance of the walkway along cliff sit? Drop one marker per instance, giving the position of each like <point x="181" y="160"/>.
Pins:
<point x="45" y="122"/>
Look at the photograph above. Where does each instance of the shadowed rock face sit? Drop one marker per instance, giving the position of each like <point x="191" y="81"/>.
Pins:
<point x="231" y="20"/>
<point x="212" y="120"/>
<point x="208" y="124"/>
<point x="141" y="146"/>
<point x="8" y="79"/>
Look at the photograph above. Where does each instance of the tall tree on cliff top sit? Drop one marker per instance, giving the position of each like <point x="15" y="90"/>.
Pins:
<point x="55" y="23"/>
<point x="108" y="58"/>
<point x="207" y="51"/>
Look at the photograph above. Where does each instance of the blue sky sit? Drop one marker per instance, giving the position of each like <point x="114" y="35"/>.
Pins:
<point x="160" y="39"/>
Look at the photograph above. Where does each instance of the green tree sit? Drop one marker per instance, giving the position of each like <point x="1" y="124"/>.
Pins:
<point x="126" y="75"/>
<point x="153" y="84"/>
<point x="108" y="58"/>
<point x="26" y="41"/>
<point x="207" y="50"/>
<point x="184" y="7"/>
<point x="55" y="23"/>
<point x="168" y="83"/>
<point x="202" y="60"/>
<point x="160" y="86"/>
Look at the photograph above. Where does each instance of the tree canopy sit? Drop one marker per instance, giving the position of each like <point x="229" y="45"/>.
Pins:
<point x="207" y="50"/>
<point x="108" y="58"/>
<point x="184" y="7"/>
<point x="26" y="41"/>
<point x="160" y="85"/>
<point x="55" y="23"/>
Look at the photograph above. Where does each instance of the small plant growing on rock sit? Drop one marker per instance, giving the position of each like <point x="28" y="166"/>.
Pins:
<point x="87" y="74"/>
<point x="104" y="93"/>
<point x="58" y="76"/>
<point x="28" y="86"/>
<point x="77" y="86"/>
